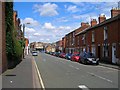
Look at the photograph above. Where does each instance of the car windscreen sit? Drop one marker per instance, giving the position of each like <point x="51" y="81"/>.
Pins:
<point x="90" y="55"/>
<point x="77" y="54"/>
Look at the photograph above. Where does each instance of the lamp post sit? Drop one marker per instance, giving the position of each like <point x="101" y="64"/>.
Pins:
<point x="23" y="44"/>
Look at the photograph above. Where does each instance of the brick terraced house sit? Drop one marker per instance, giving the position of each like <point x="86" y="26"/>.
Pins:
<point x="102" y="38"/>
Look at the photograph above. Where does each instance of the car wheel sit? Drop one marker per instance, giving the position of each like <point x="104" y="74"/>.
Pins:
<point x="79" y="61"/>
<point x="97" y="63"/>
<point x="85" y="62"/>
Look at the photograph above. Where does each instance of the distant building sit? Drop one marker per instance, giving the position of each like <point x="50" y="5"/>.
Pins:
<point x="50" y="48"/>
<point x="59" y="46"/>
<point x="37" y="46"/>
<point x="26" y="46"/>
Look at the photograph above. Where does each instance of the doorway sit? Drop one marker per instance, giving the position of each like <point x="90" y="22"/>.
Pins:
<point x="114" y="60"/>
<point x="99" y="55"/>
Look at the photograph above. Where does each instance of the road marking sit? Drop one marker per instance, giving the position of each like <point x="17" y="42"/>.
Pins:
<point x="39" y="76"/>
<point x="83" y="87"/>
<point x="76" y="68"/>
<point x="100" y="77"/>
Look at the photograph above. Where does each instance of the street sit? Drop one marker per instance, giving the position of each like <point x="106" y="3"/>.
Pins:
<point x="61" y="73"/>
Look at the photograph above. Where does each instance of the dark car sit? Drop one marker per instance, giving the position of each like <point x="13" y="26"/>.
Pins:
<point x="62" y="55"/>
<point x="57" y="54"/>
<point x="88" y="58"/>
<point x="68" y="56"/>
<point x="75" y="57"/>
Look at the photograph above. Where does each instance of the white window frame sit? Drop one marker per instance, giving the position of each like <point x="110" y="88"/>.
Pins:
<point x="93" y="36"/>
<point x="105" y="33"/>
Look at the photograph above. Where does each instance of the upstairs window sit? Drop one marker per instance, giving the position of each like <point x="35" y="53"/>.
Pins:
<point x="93" y="36"/>
<point x="83" y="39"/>
<point x="105" y="33"/>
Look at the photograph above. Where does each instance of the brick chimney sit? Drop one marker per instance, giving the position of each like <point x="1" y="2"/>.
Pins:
<point x="115" y="12"/>
<point x="101" y="18"/>
<point x="84" y="24"/>
<point x="93" y="22"/>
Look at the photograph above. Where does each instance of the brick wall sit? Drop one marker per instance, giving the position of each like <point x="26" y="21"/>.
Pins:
<point x="3" y="64"/>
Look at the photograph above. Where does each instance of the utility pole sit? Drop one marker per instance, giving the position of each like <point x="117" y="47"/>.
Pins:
<point x="119" y="4"/>
<point x="23" y="39"/>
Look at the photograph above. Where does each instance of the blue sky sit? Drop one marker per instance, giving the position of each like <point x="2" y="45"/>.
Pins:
<point x="50" y="21"/>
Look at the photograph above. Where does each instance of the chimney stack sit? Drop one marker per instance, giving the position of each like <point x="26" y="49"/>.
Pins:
<point x="93" y="22"/>
<point x="101" y="18"/>
<point x="115" y="12"/>
<point x="84" y="24"/>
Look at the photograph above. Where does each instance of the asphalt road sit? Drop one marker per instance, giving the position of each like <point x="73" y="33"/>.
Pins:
<point x="61" y="73"/>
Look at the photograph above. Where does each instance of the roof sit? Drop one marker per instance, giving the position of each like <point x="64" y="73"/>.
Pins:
<point x="100" y="24"/>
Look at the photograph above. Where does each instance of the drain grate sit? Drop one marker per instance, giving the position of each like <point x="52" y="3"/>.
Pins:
<point x="10" y="75"/>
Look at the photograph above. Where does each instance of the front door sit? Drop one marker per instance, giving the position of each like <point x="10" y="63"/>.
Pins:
<point x="93" y="50"/>
<point x="99" y="52"/>
<point x="114" y="53"/>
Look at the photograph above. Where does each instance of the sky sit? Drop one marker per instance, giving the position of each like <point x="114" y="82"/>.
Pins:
<point x="50" y="21"/>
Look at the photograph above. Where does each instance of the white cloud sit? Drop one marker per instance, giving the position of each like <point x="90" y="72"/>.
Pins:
<point x="37" y="34"/>
<point x="46" y="9"/>
<point x="48" y="39"/>
<point x="29" y="30"/>
<point x="48" y="26"/>
<point x="30" y="22"/>
<point x="72" y="8"/>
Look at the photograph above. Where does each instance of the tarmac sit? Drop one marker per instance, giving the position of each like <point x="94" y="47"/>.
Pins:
<point x="24" y="75"/>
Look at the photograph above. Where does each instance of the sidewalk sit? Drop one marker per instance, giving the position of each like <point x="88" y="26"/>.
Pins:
<point x="23" y="75"/>
<point x="109" y="65"/>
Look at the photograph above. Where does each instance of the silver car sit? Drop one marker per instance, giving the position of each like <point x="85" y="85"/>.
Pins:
<point x="34" y="53"/>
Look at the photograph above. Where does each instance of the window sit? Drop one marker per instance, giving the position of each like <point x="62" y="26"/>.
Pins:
<point x="83" y="39"/>
<point x="105" y="33"/>
<point x="78" y="40"/>
<point x="93" y="36"/>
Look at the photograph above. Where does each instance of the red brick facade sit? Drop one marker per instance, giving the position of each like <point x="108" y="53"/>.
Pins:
<point x="103" y="39"/>
<point x="3" y="58"/>
<point x="17" y="26"/>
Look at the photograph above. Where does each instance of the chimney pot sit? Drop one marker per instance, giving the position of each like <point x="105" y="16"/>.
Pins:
<point x="115" y="12"/>
<point x="93" y="22"/>
<point x="101" y="18"/>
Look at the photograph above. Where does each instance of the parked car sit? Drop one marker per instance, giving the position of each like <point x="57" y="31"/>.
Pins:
<point x="54" y="53"/>
<point x="68" y="56"/>
<point x="62" y="55"/>
<point x="88" y="58"/>
<point x="34" y="53"/>
<point x="75" y="57"/>
<point x="57" y="54"/>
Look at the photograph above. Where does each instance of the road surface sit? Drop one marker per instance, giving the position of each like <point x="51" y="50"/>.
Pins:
<point x="61" y="73"/>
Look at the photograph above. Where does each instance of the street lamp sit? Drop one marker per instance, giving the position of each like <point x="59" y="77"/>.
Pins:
<point x="23" y="44"/>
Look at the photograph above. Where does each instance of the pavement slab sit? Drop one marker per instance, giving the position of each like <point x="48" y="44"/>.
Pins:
<point x="23" y="75"/>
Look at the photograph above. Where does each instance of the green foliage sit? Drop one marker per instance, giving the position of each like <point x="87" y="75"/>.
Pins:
<point x="9" y="45"/>
<point x="17" y="49"/>
<point x="13" y="46"/>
